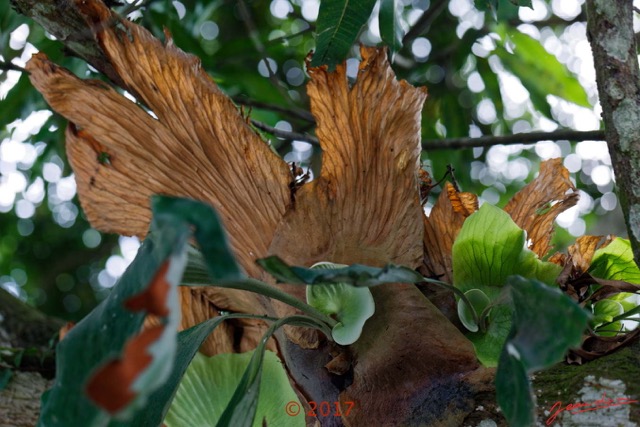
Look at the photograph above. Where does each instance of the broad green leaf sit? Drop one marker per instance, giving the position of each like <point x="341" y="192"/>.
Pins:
<point x="209" y="383"/>
<point x="479" y="302"/>
<point x="108" y="339"/>
<point x="513" y="389"/>
<point x="540" y="71"/>
<point x="338" y="26"/>
<point x="349" y="305"/>
<point x="242" y="408"/>
<point x="546" y="323"/>
<point x="390" y="20"/>
<point x="489" y="248"/>
<point x="356" y="274"/>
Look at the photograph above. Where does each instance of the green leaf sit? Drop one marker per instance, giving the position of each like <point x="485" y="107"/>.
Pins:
<point x="390" y="21"/>
<point x="514" y="393"/>
<point x="109" y="337"/>
<point x="540" y="71"/>
<point x="356" y="274"/>
<point x="489" y="248"/>
<point x="604" y="311"/>
<point x="339" y="22"/>
<point x="615" y="262"/>
<point x="210" y="382"/>
<point x="243" y="406"/>
<point x="211" y="237"/>
<point x="349" y="305"/>
<point x="479" y="302"/>
<point x="189" y="341"/>
<point x="546" y="323"/>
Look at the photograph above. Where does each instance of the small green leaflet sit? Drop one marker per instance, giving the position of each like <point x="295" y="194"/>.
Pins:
<point x="211" y="237"/>
<point x="338" y="26"/>
<point x="102" y="337"/>
<point x="546" y="324"/>
<point x="349" y="305"/>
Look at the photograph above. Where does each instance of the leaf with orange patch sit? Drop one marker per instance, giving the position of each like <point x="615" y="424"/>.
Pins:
<point x="106" y="367"/>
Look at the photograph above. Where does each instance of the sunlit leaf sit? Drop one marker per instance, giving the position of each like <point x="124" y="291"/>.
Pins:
<point x="209" y="383"/>
<point x="540" y="71"/>
<point x="339" y="22"/>
<point x="489" y="248"/>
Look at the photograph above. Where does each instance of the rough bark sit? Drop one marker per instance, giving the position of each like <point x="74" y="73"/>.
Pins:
<point x="610" y="32"/>
<point x="27" y="332"/>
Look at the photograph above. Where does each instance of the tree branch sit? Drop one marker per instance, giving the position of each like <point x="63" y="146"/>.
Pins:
<point x="286" y="134"/>
<point x="518" y="138"/>
<point x="8" y="66"/>
<point x="297" y="113"/>
<point x="423" y="23"/>
<point x="610" y="32"/>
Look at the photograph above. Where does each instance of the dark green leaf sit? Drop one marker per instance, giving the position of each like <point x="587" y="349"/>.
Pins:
<point x="390" y="20"/>
<point x="100" y="338"/>
<point x="211" y="237"/>
<point x="546" y="323"/>
<point x="339" y="22"/>
<point x="514" y="393"/>
<point x="357" y="275"/>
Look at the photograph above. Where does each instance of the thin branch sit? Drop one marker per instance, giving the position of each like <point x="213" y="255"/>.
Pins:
<point x="423" y="23"/>
<point x="294" y="35"/>
<point x="297" y="113"/>
<point x="460" y="143"/>
<point x="286" y="134"/>
<point x="518" y="138"/>
<point x="8" y="66"/>
<point x="259" y="46"/>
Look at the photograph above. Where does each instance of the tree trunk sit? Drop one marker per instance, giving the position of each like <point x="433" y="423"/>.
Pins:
<point x="610" y="32"/>
<point x="26" y="358"/>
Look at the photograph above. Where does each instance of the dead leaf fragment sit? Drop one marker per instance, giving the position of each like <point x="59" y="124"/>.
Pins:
<point x="536" y="206"/>
<point x="441" y="228"/>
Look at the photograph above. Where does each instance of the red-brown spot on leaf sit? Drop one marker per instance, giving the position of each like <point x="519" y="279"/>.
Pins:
<point x="110" y="387"/>
<point x="153" y="300"/>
